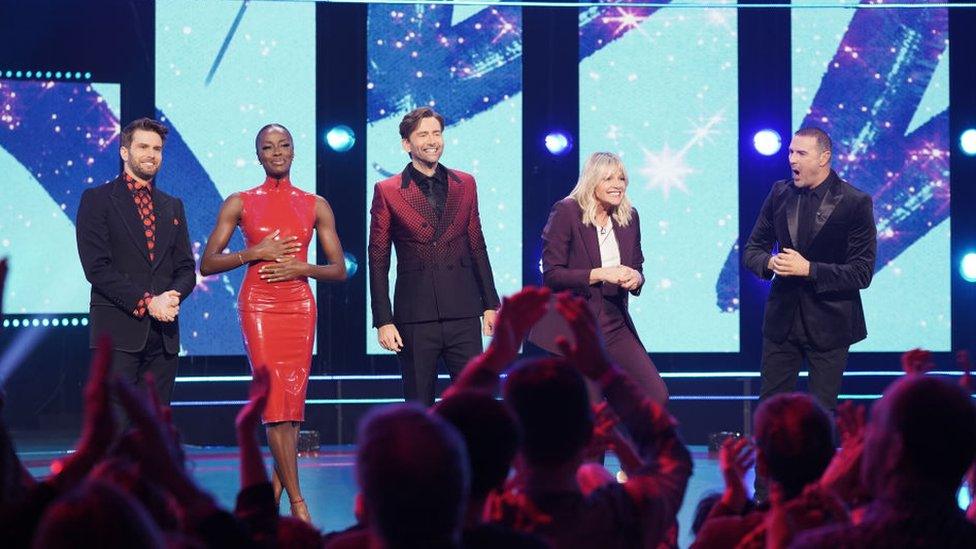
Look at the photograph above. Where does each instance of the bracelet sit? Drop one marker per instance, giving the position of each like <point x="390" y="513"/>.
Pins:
<point x="240" y="257"/>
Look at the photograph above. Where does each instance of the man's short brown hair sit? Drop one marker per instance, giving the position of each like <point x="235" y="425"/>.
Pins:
<point x="823" y="140"/>
<point x="412" y="119"/>
<point x="147" y="124"/>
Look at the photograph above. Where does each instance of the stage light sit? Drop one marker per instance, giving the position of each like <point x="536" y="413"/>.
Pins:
<point x="35" y="323"/>
<point x="16" y="323"/>
<point x="47" y="74"/>
<point x="6" y="323"/>
<point x="77" y="76"/>
<point x="57" y="75"/>
<point x="767" y="142"/>
<point x="558" y="143"/>
<point x="10" y="73"/>
<point x="967" y="142"/>
<point x="19" y="74"/>
<point x="74" y="321"/>
<point x="30" y="74"/>
<point x="967" y="267"/>
<point x="87" y="76"/>
<point x="352" y="264"/>
<point x="84" y="321"/>
<point x="340" y="138"/>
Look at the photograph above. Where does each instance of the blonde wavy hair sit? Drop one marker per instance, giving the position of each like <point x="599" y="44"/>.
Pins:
<point x="600" y="166"/>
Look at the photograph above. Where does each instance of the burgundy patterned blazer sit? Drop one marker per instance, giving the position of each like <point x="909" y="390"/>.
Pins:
<point x="442" y="268"/>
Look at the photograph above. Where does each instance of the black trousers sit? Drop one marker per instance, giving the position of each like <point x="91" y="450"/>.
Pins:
<point x="132" y="367"/>
<point x="455" y="341"/>
<point x="781" y="363"/>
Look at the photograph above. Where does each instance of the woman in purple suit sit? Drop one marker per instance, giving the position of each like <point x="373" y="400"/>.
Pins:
<point x="591" y="246"/>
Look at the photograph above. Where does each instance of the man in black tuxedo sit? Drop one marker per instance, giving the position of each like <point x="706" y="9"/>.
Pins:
<point x="825" y="233"/>
<point x="135" y="250"/>
<point x="444" y="284"/>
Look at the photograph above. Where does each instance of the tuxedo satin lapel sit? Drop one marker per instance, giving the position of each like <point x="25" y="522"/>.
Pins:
<point x="455" y="191"/>
<point x="413" y="196"/>
<point x="792" y="217"/>
<point x="126" y="209"/>
<point x="826" y="209"/>
<point x="165" y="228"/>
<point x="590" y="242"/>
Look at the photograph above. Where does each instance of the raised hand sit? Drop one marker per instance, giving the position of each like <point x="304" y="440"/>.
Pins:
<point x="965" y="365"/>
<point x="917" y="361"/>
<point x="98" y="427"/>
<point x="735" y="458"/>
<point x="273" y="247"/>
<point x="842" y="475"/>
<point x="588" y="354"/>
<point x="250" y="415"/>
<point x="519" y="312"/>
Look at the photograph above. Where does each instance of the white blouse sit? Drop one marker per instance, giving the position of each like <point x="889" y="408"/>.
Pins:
<point x="609" y="248"/>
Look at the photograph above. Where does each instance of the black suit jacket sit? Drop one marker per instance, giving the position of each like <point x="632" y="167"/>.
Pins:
<point x="570" y="250"/>
<point x="112" y="247"/>
<point x="841" y="251"/>
<point x="443" y="270"/>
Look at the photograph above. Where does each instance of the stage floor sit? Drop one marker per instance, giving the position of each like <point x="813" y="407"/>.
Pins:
<point x="328" y="478"/>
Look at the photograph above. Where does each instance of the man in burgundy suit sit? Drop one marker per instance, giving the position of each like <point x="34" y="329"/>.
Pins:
<point x="444" y="284"/>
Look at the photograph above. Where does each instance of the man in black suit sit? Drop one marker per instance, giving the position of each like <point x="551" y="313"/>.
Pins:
<point x="135" y="250"/>
<point x="825" y="233"/>
<point x="444" y="282"/>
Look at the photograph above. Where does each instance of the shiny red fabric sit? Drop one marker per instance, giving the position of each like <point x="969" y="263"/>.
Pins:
<point x="278" y="319"/>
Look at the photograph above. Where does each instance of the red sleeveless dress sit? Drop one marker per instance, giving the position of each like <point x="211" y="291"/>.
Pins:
<point x="278" y="319"/>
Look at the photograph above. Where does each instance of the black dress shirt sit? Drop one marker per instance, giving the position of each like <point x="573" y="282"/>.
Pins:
<point x="434" y="187"/>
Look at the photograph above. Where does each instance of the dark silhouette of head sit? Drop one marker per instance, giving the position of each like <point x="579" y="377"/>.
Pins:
<point x="550" y="400"/>
<point x="794" y="441"/>
<point x="96" y="515"/>
<point x="413" y="471"/>
<point x="490" y="433"/>
<point x="921" y="436"/>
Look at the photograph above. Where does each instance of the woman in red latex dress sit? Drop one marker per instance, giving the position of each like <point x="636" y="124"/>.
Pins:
<point x="276" y="306"/>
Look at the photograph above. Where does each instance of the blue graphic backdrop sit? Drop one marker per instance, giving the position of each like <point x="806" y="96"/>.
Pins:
<point x="659" y="88"/>
<point x="466" y="62"/>
<point x="878" y="82"/>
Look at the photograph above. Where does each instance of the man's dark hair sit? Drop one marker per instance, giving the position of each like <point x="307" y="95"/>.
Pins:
<point x="823" y="140"/>
<point x="413" y="471"/>
<point x="266" y="127"/>
<point x="146" y="124"/>
<point x="490" y="433"/>
<point x="550" y="400"/>
<point x="795" y="435"/>
<point x="936" y="421"/>
<point x="412" y="119"/>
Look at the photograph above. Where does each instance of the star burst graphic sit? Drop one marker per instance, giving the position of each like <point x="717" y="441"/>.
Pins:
<point x="666" y="169"/>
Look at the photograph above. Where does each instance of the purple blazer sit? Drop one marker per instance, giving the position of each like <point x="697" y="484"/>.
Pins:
<point x="570" y="250"/>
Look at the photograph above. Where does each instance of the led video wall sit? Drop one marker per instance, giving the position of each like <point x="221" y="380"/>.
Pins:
<point x="878" y="82"/>
<point x="658" y="86"/>
<point x="465" y="62"/>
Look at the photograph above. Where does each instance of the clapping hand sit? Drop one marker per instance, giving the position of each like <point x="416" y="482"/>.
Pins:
<point x="588" y="354"/>
<point x="735" y="458"/>
<point x="916" y="361"/>
<point x="842" y="475"/>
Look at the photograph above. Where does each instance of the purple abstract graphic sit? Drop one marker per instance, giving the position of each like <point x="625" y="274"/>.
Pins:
<point x="68" y="138"/>
<point x="866" y="102"/>
<point x="428" y="55"/>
